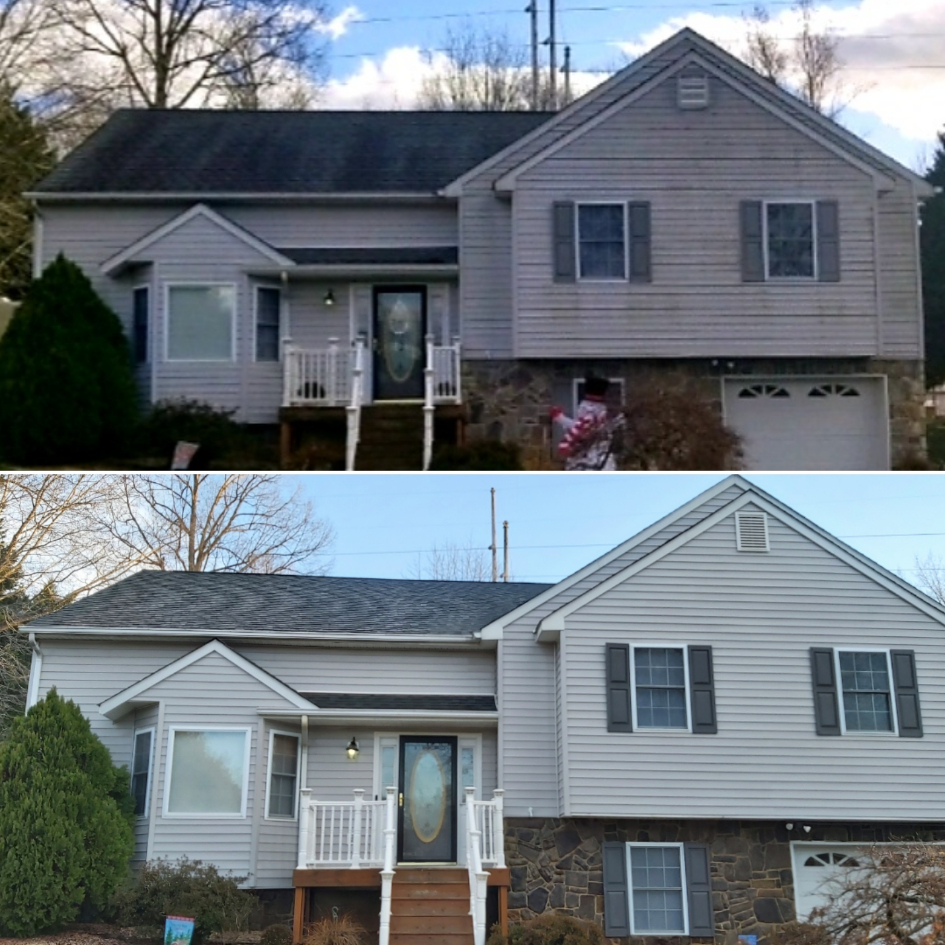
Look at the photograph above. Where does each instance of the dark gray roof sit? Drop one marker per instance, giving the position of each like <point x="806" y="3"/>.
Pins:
<point x="316" y="152"/>
<point x="216" y="603"/>
<point x="407" y="256"/>
<point x="360" y="700"/>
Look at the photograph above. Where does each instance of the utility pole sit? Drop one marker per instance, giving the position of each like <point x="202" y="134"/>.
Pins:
<point x="505" y="557"/>
<point x="567" y="75"/>
<point x="493" y="548"/>
<point x="553" y="43"/>
<point x="532" y="8"/>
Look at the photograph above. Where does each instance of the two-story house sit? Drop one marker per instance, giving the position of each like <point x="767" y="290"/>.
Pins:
<point x="686" y="216"/>
<point x="683" y="738"/>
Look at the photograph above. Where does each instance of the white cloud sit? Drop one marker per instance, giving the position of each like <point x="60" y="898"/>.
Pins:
<point x="881" y="70"/>
<point x="338" y="25"/>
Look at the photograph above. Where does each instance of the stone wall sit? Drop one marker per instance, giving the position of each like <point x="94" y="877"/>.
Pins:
<point x="555" y="866"/>
<point x="509" y="400"/>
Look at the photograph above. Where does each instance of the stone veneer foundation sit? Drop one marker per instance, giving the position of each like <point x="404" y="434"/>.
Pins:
<point x="509" y="400"/>
<point x="555" y="866"/>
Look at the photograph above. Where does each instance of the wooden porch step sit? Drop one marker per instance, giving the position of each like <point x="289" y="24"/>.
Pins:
<point x="430" y="906"/>
<point x="391" y="437"/>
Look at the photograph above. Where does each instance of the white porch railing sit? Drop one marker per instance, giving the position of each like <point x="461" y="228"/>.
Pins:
<point x="354" y="408"/>
<point x="317" y="377"/>
<point x="490" y="821"/>
<point x="447" y="376"/>
<point x="485" y="846"/>
<point x="334" y="835"/>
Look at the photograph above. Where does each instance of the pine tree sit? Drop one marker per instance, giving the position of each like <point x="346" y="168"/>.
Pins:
<point x="65" y="819"/>
<point x="933" y="269"/>
<point x="67" y="388"/>
<point x="24" y="158"/>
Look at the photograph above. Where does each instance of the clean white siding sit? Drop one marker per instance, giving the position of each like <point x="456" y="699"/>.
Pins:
<point x="761" y="613"/>
<point x="529" y="710"/>
<point x="694" y="168"/>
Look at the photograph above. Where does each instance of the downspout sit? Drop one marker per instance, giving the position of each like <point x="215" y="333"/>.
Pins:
<point x="36" y="668"/>
<point x="37" y="242"/>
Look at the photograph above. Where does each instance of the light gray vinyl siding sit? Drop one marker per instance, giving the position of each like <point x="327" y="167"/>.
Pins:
<point x="372" y="225"/>
<point x="760" y="613"/>
<point x="529" y="710"/>
<point x="321" y="669"/>
<point x="898" y="274"/>
<point x="695" y="168"/>
<point x="143" y="719"/>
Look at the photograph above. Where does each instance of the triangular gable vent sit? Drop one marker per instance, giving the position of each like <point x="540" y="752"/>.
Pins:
<point x="692" y="91"/>
<point x="751" y="531"/>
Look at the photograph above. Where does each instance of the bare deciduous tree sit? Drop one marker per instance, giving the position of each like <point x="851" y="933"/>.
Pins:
<point x="453" y="562"/>
<point x="200" y="522"/>
<point x="893" y="895"/>
<point x="175" y="53"/>
<point x="809" y="65"/>
<point x="482" y="70"/>
<point x="930" y="576"/>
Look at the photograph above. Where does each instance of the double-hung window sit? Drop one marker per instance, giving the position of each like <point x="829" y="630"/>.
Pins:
<point x="657" y="884"/>
<point x="208" y="772"/>
<point x="268" y="307"/>
<point x="141" y="770"/>
<point x="201" y="322"/>
<point x="602" y="240"/>
<point x="790" y="240"/>
<point x="283" y="774"/>
<point x="865" y="691"/>
<point x="660" y="688"/>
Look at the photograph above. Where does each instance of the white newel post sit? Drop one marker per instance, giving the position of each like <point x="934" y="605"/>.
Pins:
<point x="428" y="408"/>
<point x="332" y="384"/>
<point x="356" y="828"/>
<point x="305" y="827"/>
<point x="387" y="874"/>
<point x="478" y="877"/>
<point x="498" y="827"/>
<point x="458" y="367"/>
<point x="288" y="369"/>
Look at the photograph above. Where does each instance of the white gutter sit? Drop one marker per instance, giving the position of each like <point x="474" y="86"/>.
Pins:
<point x="36" y="669"/>
<point x="338" y="716"/>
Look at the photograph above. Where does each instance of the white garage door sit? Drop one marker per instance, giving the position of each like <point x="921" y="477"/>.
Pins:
<point x="815" y="423"/>
<point x="815" y="865"/>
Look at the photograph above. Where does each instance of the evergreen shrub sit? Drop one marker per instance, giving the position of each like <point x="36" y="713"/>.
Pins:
<point x="66" y="819"/>
<point x="550" y="929"/>
<point x="67" y="390"/>
<point x="276" y="935"/>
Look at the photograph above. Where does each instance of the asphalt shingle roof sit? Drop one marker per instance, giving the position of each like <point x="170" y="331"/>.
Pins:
<point x="315" y="152"/>
<point x="220" y="603"/>
<point x="359" y="700"/>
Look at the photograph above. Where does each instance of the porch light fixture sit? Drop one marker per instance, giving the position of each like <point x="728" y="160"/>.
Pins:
<point x="329" y="301"/>
<point x="353" y="749"/>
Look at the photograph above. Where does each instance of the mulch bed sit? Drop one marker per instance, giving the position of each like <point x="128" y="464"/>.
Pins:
<point x="88" y="934"/>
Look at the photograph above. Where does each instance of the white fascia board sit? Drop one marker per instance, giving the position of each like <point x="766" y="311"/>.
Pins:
<point x="36" y="671"/>
<point x="264" y="636"/>
<point x="506" y="183"/>
<point x="198" y="210"/>
<point x="554" y="624"/>
<point x="343" y="271"/>
<point x="119" y="704"/>
<point x="493" y="631"/>
<point x="354" y="716"/>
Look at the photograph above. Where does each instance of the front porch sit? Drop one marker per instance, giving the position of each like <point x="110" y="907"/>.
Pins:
<point x="358" y="845"/>
<point x="338" y="391"/>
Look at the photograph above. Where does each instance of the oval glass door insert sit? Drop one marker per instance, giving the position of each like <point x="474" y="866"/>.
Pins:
<point x="428" y="796"/>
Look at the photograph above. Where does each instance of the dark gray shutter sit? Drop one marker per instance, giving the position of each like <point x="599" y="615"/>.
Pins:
<point x="702" y="691"/>
<point x="638" y="215"/>
<point x="824" y="678"/>
<point x="753" y="250"/>
<point x="616" y="893"/>
<point x="828" y="241"/>
<point x="907" y="693"/>
<point x="564" y="249"/>
<point x="699" y="885"/>
<point x="618" y="688"/>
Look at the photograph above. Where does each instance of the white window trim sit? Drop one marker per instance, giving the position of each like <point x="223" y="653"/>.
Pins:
<point x="134" y="748"/>
<point x="233" y="320"/>
<point x="892" y="691"/>
<point x="685" y="889"/>
<point x="764" y="229"/>
<point x="247" y="746"/>
<point x="282" y="301"/>
<point x="633" y="695"/>
<point x="285" y="818"/>
<point x="626" y="241"/>
<point x="135" y="289"/>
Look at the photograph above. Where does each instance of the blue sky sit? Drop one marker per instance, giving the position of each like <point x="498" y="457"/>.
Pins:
<point x="560" y="522"/>
<point x="895" y="51"/>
